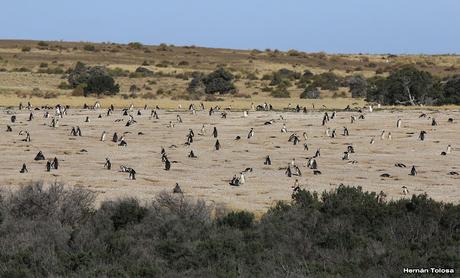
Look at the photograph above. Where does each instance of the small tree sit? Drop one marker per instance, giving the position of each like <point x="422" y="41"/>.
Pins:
<point x="218" y="81"/>
<point x="451" y="91"/>
<point x="358" y="86"/>
<point x="310" y="92"/>
<point x="95" y="79"/>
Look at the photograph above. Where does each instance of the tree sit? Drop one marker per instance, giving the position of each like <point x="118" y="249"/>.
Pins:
<point x="310" y="92"/>
<point x="451" y="91"/>
<point x="93" y="79"/>
<point x="406" y="85"/>
<point x="218" y="81"/>
<point x="358" y="86"/>
<point x="327" y="81"/>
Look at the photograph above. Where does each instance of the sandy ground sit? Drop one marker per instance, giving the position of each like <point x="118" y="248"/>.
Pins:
<point x="208" y="175"/>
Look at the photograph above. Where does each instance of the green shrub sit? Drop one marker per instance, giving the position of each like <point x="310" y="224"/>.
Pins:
<point x="93" y="80"/>
<point x="135" y="45"/>
<point x="280" y="92"/>
<point x="240" y="220"/>
<point x="57" y="232"/>
<point x="89" y="47"/>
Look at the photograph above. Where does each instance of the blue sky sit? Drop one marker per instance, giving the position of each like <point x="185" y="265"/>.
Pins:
<point x="338" y="26"/>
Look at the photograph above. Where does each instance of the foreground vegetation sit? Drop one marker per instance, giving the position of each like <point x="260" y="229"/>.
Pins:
<point x="57" y="231"/>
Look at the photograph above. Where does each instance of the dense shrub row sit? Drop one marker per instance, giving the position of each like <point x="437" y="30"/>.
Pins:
<point x="57" y="231"/>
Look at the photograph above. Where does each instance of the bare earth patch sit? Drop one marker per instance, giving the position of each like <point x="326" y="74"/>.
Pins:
<point x="208" y="175"/>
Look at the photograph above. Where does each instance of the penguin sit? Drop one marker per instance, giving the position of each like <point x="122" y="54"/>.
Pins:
<point x="251" y="133"/>
<point x="288" y="171"/>
<point x="295" y="141"/>
<point x="214" y="132"/>
<point x="217" y="145"/>
<point x="177" y="189"/>
<point x="413" y="171"/>
<point x="39" y="156"/>
<point x="242" y="178"/>
<point x="235" y="181"/>
<point x="115" y="137"/>
<point x="352" y="119"/>
<point x="398" y="123"/>
<point x="27" y="139"/>
<point x="449" y="149"/>
<point x="305" y="137"/>
<point x="55" y="163"/>
<point x="381" y="198"/>
<point x="8" y="128"/>
<point x="433" y="122"/>
<point x="267" y="161"/>
<point x="192" y="154"/>
<point x="372" y="141"/>
<point x="269" y="122"/>
<point x="405" y="191"/>
<point x="103" y="136"/>
<point x="132" y="174"/>
<point x="108" y="164"/>
<point x="422" y="135"/>
<point x="334" y="134"/>
<point x="318" y="153"/>
<point x="382" y="135"/>
<point x="350" y="149"/>
<point x="283" y="129"/>
<point x="24" y="169"/>
<point x="48" y="166"/>
<point x="167" y="164"/>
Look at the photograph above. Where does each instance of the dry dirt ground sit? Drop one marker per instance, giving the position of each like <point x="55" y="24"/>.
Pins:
<point x="208" y="176"/>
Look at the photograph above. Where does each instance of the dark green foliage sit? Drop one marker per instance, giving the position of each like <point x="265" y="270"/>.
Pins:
<point x="358" y="86"/>
<point x="141" y="72"/>
<point x="451" y="91"/>
<point x="326" y="81"/>
<point x="282" y="77"/>
<point x="406" y="85"/>
<point x="95" y="80"/>
<point x="89" y="47"/>
<point x="218" y="81"/>
<point x="311" y="92"/>
<point x="135" y="45"/>
<point x="241" y="219"/>
<point x="55" y="232"/>
<point x="124" y="212"/>
<point x="280" y="91"/>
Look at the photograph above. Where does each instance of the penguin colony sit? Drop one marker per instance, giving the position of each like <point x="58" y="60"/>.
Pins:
<point x="250" y="158"/>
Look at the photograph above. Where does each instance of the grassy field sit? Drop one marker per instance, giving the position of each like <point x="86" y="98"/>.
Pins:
<point x="22" y="64"/>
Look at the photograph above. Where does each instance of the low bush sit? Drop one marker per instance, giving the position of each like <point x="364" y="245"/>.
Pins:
<point x="56" y="231"/>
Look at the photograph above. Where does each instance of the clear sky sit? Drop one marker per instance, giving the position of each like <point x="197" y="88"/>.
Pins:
<point x="339" y="26"/>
